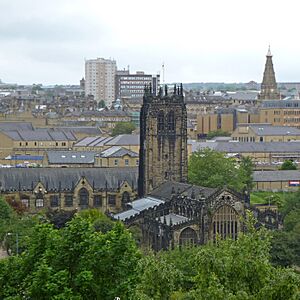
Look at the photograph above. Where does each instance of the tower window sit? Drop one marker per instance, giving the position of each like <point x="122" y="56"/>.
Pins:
<point x="160" y="121"/>
<point x="171" y="121"/>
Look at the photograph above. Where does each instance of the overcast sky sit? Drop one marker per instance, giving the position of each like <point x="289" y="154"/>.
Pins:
<point x="199" y="41"/>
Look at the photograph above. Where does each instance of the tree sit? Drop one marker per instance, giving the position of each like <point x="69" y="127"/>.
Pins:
<point x="288" y="165"/>
<point x="213" y="169"/>
<point x="123" y="128"/>
<point x="227" y="269"/>
<point x="101" y="104"/>
<point x="74" y="262"/>
<point x="215" y="133"/>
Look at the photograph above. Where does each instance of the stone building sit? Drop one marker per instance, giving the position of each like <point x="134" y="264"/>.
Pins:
<point x="169" y="211"/>
<point x="163" y="139"/>
<point x="76" y="188"/>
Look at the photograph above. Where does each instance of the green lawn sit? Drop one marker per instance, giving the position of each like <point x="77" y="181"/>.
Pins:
<point x="263" y="197"/>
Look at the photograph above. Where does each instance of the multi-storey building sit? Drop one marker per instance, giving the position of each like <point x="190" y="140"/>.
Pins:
<point x="131" y="86"/>
<point x="100" y="76"/>
<point x="280" y="112"/>
<point x="265" y="133"/>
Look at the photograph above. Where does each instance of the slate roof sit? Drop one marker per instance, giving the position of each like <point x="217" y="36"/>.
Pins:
<point x="71" y="157"/>
<point x="164" y="191"/>
<point x="280" y="104"/>
<point x="240" y="147"/>
<point x="117" y="151"/>
<point x="92" y="130"/>
<point x="263" y="130"/>
<point x="40" y="135"/>
<point x="96" y="141"/>
<point x="124" y="139"/>
<point x="259" y="176"/>
<point x="52" y="178"/>
<point x="9" y="126"/>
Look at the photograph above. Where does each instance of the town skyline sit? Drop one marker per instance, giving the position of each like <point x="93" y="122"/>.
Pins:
<point x="197" y="42"/>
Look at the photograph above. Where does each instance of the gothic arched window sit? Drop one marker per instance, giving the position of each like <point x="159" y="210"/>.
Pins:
<point x="39" y="200"/>
<point x="171" y="121"/>
<point x="188" y="236"/>
<point x="160" y="121"/>
<point x="83" y="197"/>
<point x="125" y="197"/>
<point x="225" y="222"/>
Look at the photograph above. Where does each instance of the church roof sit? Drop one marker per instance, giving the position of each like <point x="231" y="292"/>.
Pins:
<point x="66" y="178"/>
<point x="166" y="190"/>
<point x="137" y="206"/>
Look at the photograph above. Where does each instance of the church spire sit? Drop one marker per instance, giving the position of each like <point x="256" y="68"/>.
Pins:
<point x="269" y="89"/>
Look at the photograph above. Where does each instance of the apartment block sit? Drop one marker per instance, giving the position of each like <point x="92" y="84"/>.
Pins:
<point x="100" y="77"/>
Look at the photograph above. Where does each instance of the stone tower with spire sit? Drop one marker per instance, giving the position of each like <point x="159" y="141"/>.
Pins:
<point x="269" y="89"/>
<point x="163" y="139"/>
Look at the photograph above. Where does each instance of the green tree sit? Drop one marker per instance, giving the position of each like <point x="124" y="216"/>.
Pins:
<point x="74" y="262"/>
<point x="123" y="128"/>
<point x="213" y="169"/>
<point x="288" y="165"/>
<point x="101" y="104"/>
<point x="227" y="269"/>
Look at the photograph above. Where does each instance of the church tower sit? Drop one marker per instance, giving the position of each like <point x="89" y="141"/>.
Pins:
<point x="163" y="139"/>
<point x="269" y="89"/>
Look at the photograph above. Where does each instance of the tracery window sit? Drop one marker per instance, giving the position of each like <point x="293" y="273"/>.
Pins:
<point x="160" y="121"/>
<point x="225" y="223"/>
<point x="83" y="197"/>
<point x="188" y="236"/>
<point x="39" y="200"/>
<point x="171" y="121"/>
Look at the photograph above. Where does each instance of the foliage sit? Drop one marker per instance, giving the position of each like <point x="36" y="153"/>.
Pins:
<point x="6" y="211"/>
<point x="16" y="205"/>
<point x="216" y="133"/>
<point x="59" y="217"/>
<point x="226" y="269"/>
<point x="123" y="128"/>
<point x="100" y="221"/>
<point x="213" y="169"/>
<point x="12" y="225"/>
<point x="288" y="165"/>
<point x="74" y="262"/>
<point x="286" y="243"/>
<point x="101" y="104"/>
<point x="263" y="197"/>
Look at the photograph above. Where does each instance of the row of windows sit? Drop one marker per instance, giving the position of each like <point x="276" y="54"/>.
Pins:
<point x="68" y="201"/>
<point x="292" y="120"/>
<point x="292" y="112"/>
<point x="244" y="139"/>
<point x="126" y="162"/>
<point x="41" y="144"/>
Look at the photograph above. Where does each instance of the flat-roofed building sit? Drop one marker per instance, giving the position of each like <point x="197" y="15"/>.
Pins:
<point x="100" y="76"/>
<point x="131" y="86"/>
<point x="280" y="112"/>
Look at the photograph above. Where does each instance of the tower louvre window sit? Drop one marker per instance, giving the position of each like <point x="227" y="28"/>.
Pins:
<point x="160" y="121"/>
<point x="171" y="121"/>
